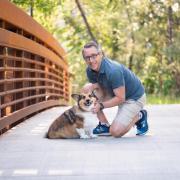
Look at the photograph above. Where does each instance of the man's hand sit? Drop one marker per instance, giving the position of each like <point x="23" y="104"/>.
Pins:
<point x="87" y="88"/>
<point x="96" y="108"/>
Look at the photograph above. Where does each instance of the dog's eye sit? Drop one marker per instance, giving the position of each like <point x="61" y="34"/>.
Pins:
<point x="90" y="96"/>
<point x="83" y="97"/>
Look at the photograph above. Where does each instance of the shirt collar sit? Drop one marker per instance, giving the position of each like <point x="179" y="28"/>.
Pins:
<point x="102" y="66"/>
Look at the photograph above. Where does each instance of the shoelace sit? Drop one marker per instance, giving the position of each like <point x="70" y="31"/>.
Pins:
<point x="99" y="126"/>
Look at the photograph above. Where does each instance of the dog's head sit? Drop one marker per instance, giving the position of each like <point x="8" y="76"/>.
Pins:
<point x="85" y="101"/>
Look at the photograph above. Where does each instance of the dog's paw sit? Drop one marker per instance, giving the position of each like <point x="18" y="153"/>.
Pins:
<point x="93" y="136"/>
<point x="84" y="136"/>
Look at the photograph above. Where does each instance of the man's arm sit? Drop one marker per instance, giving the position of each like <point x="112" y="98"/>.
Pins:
<point x="116" y="100"/>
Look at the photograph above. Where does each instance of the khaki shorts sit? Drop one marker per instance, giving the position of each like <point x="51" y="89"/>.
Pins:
<point x="129" y="109"/>
<point x="126" y="111"/>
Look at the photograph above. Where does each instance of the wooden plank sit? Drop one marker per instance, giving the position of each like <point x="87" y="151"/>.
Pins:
<point x="14" y="40"/>
<point x="12" y="118"/>
<point x="28" y="70"/>
<point x="29" y="88"/>
<point x="29" y="98"/>
<point x="60" y="83"/>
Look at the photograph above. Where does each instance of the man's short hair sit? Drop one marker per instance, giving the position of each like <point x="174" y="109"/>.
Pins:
<point x="91" y="44"/>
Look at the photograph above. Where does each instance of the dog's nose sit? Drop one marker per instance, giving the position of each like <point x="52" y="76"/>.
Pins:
<point x="88" y="102"/>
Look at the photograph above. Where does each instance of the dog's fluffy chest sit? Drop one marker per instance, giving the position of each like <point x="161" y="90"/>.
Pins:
<point x="89" y="119"/>
<point x="88" y="125"/>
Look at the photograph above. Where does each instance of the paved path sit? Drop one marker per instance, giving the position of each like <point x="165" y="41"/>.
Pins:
<point x="25" y="154"/>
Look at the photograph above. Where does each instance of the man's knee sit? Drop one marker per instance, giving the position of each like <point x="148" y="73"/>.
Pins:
<point x="117" y="131"/>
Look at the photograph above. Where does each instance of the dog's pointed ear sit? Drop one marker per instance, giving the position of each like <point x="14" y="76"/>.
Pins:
<point x="76" y="97"/>
<point x="94" y="94"/>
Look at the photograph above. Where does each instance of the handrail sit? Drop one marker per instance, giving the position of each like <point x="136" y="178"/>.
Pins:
<point x="33" y="67"/>
<point x="27" y="98"/>
<point x="16" y="41"/>
<point x="30" y="79"/>
<point x="6" y="121"/>
<point x="30" y="61"/>
<point x="29" y="88"/>
<point x="16" y="20"/>
<point x="28" y="70"/>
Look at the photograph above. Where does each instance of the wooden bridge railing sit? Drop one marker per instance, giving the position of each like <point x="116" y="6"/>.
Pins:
<point x="33" y="67"/>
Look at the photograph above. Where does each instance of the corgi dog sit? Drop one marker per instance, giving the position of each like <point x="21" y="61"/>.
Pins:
<point x="75" y="122"/>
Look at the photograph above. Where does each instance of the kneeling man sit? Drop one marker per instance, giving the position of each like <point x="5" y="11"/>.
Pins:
<point x="115" y="85"/>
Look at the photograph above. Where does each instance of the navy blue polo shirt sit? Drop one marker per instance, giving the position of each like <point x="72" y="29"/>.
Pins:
<point x="112" y="75"/>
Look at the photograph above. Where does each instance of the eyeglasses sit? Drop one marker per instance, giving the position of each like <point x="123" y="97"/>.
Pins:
<point x="92" y="57"/>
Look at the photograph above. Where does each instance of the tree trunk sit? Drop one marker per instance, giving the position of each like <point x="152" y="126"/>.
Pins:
<point x="176" y="70"/>
<point x="170" y="31"/>
<point x="130" y="66"/>
<point x="85" y="20"/>
<point x="32" y="8"/>
<point x="130" y="62"/>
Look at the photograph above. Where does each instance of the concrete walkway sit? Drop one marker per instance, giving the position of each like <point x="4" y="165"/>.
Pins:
<point x="25" y="154"/>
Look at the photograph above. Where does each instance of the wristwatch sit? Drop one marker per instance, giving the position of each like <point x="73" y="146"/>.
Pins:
<point x="101" y="106"/>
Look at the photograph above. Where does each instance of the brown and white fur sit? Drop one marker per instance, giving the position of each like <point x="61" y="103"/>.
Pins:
<point x="74" y="122"/>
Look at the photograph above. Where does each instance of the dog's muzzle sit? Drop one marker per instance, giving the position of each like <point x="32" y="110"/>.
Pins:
<point x="88" y="102"/>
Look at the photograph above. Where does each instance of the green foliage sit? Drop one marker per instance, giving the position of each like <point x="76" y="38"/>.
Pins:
<point x="161" y="99"/>
<point x="144" y="35"/>
<point x="45" y="12"/>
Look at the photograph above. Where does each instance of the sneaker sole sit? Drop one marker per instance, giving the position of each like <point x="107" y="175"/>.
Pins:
<point x="103" y="134"/>
<point x="142" y="134"/>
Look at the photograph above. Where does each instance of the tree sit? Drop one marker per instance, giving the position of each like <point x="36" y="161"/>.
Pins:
<point x="144" y="35"/>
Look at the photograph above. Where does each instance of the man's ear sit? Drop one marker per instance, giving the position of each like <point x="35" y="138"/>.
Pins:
<point x="76" y="97"/>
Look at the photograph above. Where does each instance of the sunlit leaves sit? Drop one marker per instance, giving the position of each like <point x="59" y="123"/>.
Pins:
<point x="128" y="30"/>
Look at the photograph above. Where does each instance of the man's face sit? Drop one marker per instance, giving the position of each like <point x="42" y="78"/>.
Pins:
<point x="93" y="58"/>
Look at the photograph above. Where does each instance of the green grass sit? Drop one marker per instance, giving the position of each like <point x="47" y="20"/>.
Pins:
<point x="160" y="99"/>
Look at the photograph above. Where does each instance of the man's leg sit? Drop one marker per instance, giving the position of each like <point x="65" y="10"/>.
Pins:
<point x="118" y="129"/>
<point x="103" y="127"/>
<point x="102" y="96"/>
<point x="127" y="116"/>
<point x="102" y="118"/>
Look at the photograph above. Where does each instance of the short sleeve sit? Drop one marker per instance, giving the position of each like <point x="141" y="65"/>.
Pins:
<point x="116" y="79"/>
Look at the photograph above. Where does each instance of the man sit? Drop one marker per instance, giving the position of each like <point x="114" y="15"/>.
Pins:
<point x="115" y="85"/>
